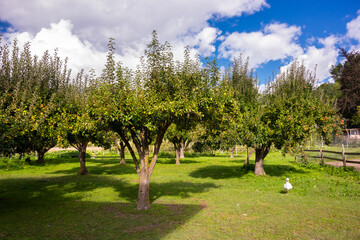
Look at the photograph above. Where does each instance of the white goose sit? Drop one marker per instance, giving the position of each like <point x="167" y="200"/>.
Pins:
<point x="287" y="185"/>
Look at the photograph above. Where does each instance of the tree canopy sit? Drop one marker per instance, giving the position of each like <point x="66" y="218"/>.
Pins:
<point x="145" y="103"/>
<point x="31" y="90"/>
<point x="347" y="74"/>
<point x="287" y="114"/>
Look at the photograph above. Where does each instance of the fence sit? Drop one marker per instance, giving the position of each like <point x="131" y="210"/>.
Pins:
<point x="342" y="153"/>
<point x="350" y="138"/>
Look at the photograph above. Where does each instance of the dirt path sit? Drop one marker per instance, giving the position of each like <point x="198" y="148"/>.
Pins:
<point x="340" y="164"/>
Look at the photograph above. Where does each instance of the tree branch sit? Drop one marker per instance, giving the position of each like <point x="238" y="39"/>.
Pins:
<point x="132" y="153"/>
<point x="158" y="141"/>
<point x="137" y="144"/>
<point x="144" y="134"/>
<point x="187" y="142"/>
<point x="76" y="146"/>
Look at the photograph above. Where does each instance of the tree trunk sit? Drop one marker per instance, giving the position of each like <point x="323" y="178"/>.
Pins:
<point x="41" y="155"/>
<point x="177" y="147"/>
<point x="182" y="149"/>
<point x="232" y="152"/>
<point x="145" y="168"/>
<point x="122" y="153"/>
<point x="177" y="153"/>
<point x="82" y="154"/>
<point x="249" y="155"/>
<point x="143" y="202"/>
<point x="259" y="159"/>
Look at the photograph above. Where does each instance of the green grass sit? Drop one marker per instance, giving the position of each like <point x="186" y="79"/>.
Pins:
<point x="203" y="198"/>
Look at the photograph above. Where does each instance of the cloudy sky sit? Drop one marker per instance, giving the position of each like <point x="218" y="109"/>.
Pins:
<point x="272" y="33"/>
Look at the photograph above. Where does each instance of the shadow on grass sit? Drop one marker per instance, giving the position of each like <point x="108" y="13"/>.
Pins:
<point x="93" y="220"/>
<point x="103" y="160"/>
<point x="102" y="168"/>
<point x="62" y="208"/>
<point x="223" y="172"/>
<point x="279" y="170"/>
<point x="219" y="172"/>
<point x="238" y="161"/>
<point x="71" y="156"/>
<point x="179" y="188"/>
<point x="56" y="158"/>
<point x="111" y="166"/>
<point x="29" y="191"/>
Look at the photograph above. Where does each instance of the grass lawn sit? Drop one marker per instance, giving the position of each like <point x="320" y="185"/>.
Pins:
<point x="203" y="198"/>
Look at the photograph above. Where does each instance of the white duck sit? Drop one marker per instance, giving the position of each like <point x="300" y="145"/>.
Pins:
<point x="287" y="185"/>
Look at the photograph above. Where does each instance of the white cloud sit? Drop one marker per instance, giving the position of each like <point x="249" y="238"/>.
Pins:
<point x="222" y="71"/>
<point x="276" y="41"/>
<point x="81" y="54"/>
<point x="201" y="43"/>
<point x="84" y="34"/>
<point x="205" y="41"/>
<point x="320" y="58"/>
<point x="178" y="49"/>
<point x="353" y="31"/>
<point x="353" y="28"/>
<point x="262" y="87"/>
<point x="279" y="42"/>
<point x="126" y="20"/>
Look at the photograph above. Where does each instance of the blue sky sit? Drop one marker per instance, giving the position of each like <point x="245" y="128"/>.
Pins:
<point x="271" y="33"/>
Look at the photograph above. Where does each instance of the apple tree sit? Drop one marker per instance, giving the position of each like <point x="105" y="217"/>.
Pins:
<point x="144" y="103"/>
<point x="286" y="115"/>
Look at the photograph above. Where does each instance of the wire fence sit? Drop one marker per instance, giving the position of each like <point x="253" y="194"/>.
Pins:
<point x="350" y="139"/>
<point x="347" y="139"/>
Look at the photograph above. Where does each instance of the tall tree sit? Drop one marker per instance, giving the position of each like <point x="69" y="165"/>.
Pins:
<point x="144" y="105"/>
<point x="112" y="139"/>
<point x="243" y="91"/>
<point x="179" y="136"/>
<point x="31" y="89"/>
<point x="189" y="72"/>
<point x="287" y="114"/>
<point x="120" y="145"/>
<point x="356" y="119"/>
<point x="348" y="76"/>
<point x="80" y="127"/>
<point x="219" y="110"/>
<point x="331" y="90"/>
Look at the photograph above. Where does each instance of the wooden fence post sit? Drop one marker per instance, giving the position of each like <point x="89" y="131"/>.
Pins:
<point x="321" y="156"/>
<point x="343" y="155"/>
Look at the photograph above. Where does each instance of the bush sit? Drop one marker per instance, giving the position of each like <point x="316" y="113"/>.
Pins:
<point x="13" y="163"/>
<point x="347" y="172"/>
<point x="66" y="154"/>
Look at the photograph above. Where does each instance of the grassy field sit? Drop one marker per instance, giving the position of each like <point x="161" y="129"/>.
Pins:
<point x="203" y="198"/>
